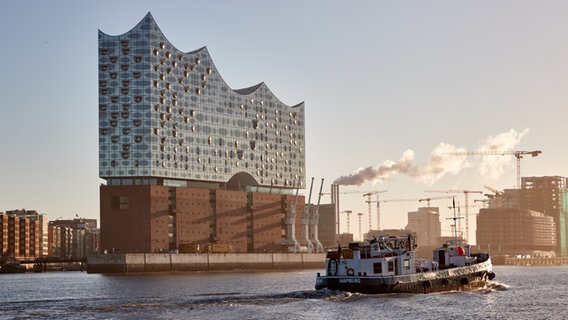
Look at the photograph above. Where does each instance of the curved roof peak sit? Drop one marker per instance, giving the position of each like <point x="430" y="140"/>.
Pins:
<point x="249" y="90"/>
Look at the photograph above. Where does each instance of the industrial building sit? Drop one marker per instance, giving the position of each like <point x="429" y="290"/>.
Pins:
<point x="188" y="160"/>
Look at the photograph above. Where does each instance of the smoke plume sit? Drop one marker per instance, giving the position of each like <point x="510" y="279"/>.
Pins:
<point x="439" y="163"/>
<point x="493" y="165"/>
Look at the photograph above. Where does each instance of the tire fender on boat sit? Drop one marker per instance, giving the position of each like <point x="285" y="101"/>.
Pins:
<point x="445" y="282"/>
<point x="464" y="281"/>
<point x="491" y="275"/>
<point x="332" y="267"/>
<point x="427" y="284"/>
<point x="350" y="272"/>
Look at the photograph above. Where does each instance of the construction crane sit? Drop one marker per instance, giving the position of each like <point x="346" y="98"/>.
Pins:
<point x="335" y="199"/>
<point x="369" y="195"/>
<point x="518" y="154"/>
<point x="466" y="195"/>
<point x="348" y="212"/>
<point x="433" y="198"/>
<point x="497" y="192"/>
<point x="348" y="192"/>
<point x="385" y="201"/>
<point x="360" y="214"/>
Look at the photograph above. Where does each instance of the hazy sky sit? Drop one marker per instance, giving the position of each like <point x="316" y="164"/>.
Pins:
<point x="388" y="85"/>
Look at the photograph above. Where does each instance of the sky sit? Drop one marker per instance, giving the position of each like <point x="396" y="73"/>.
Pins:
<point x="389" y="88"/>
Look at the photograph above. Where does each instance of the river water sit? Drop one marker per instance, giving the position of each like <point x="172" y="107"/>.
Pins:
<point x="515" y="293"/>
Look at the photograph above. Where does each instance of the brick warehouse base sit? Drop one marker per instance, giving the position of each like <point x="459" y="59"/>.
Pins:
<point x="156" y="262"/>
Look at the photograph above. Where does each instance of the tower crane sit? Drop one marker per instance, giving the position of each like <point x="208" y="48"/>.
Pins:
<point x="378" y="202"/>
<point x="348" y="212"/>
<point x="466" y="195"/>
<point x="360" y="214"/>
<point x="335" y="199"/>
<point x="433" y="198"/>
<point x="518" y="154"/>
<point x="497" y="192"/>
<point x="369" y="195"/>
<point x="384" y="201"/>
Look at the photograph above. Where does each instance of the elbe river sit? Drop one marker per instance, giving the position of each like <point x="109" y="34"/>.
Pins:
<point x="516" y="293"/>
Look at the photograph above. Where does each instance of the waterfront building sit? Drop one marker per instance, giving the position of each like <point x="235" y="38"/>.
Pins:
<point x="187" y="159"/>
<point x="23" y="234"/>
<point x="74" y="237"/>
<point x="516" y="231"/>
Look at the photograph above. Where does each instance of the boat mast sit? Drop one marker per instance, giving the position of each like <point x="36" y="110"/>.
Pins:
<point x="455" y="218"/>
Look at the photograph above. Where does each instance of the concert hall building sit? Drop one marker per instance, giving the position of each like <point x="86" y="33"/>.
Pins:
<point x="185" y="158"/>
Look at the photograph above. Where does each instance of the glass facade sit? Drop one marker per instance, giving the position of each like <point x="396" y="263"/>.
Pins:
<point x="168" y="114"/>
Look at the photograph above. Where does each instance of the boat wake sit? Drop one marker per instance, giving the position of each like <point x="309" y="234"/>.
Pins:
<point x="267" y="299"/>
<point x="497" y="286"/>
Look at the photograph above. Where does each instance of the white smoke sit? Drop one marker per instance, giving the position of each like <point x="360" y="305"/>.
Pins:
<point x="427" y="173"/>
<point x="439" y="163"/>
<point x="494" y="165"/>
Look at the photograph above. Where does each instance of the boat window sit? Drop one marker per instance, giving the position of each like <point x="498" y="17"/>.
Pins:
<point x="390" y="266"/>
<point x="378" y="267"/>
<point x="406" y="264"/>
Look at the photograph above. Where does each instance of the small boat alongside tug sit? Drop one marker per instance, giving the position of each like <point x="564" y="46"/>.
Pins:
<point x="390" y="265"/>
<point x="12" y="266"/>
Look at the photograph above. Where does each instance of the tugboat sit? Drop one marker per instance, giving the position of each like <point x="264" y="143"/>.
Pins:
<point x="389" y="264"/>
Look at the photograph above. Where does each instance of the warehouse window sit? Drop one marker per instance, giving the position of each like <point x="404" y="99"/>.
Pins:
<point x="120" y="202"/>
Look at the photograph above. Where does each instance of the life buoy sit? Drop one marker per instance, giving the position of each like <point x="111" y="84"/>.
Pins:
<point x="350" y="272"/>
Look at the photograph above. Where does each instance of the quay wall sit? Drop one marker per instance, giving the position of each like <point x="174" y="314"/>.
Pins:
<point x="535" y="261"/>
<point x="160" y="262"/>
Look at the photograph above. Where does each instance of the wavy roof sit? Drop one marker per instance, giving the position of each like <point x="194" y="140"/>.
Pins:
<point x="149" y="20"/>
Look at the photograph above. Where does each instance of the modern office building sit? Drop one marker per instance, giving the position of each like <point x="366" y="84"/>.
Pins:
<point x="187" y="159"/>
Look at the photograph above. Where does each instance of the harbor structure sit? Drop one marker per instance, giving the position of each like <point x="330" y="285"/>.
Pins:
<point x="186" y="159"/>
